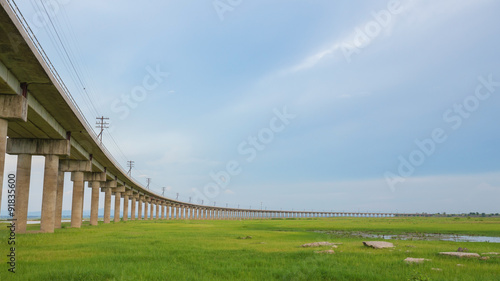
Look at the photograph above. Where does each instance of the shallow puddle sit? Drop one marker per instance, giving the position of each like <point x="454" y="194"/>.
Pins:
<point x="416" y="236"/>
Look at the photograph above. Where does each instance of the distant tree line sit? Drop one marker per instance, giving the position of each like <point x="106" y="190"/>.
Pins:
<point x="471" y="214"/>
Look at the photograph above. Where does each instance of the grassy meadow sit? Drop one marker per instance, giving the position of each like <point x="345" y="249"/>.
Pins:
<point x="212" y="250"/>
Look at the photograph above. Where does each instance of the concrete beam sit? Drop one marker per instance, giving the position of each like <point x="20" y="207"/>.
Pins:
<point x="76" y="147"/>
<point x="111" y="184"/>
<point x="14" y="86"/>
<point x="98" y="166"/>
<point x="36" y="107"/>
<point x="67" y="165"/>
<point x="94" y="176"/>
<point x="38" y="147"/>
<point x="119" y="189"/>
<point x="13" y="107"/>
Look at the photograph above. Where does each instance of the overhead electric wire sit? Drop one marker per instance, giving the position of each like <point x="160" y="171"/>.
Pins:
<point x="52" y="34"/>
<point x="88" y="78"/>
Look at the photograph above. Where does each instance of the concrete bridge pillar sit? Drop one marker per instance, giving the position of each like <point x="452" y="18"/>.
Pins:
<point x="94" y="202"/>
<point x="59" y="198"/>
<point x="77" y="203"/>
<point x="77" y="168"/>
<point x="51" y="149"/>
<point x="94" y="180"/>
<point x="116" y="216"/>
<point x="139" y="207"/>
<point x="107" y="204"/>
<point x="126" y="196"/>
<point x="162" y="210"/>
<point x="118" y="191"/>
<point x="49" y="193"/>
<point x="167" y="211"/>
<point x="157" y="210"/>
<point x="4" y="124"/>
<point x="146" y="208"/>
<point x="22" y="191"/>
<point x="151" y="209"/>
<point x="12" y="108"/>
<point x="132" y="207"/>
<point x="107" y="189"/>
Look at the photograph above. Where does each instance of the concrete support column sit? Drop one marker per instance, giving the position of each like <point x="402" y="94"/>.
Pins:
<point x="158" y="206"/>
<point x="118" y="197"/>
<point x="178" y="213"/>
<point x="125" y="206"/>
<point x="77" y="203"/>
<point x="162" y="210"/>
<point x="167" y="211"/>
<point x="139" y="206"/>
<point x="132" y="208"/>
<point x="151" y="210"/>
<point x="146" y="209"/>
<point x="49" y="193"/>
<point x="4" y="124"/>
<point x="107" y="205"/>
<point x="59" y="199"/>
<point x="94" y="202"/>
<point x="22" y="191"/>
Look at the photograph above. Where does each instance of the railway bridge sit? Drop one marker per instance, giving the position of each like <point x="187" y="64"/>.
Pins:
<point x="38" y="116"/>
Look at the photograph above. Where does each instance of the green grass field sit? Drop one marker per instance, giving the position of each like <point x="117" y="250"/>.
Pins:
<point x="211" y="250"/>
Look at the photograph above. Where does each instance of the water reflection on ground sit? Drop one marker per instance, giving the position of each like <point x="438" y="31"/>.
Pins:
<point x="416" y="236"/>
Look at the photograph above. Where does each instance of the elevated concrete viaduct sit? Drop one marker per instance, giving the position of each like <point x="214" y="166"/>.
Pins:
<point x="39" y="117"/>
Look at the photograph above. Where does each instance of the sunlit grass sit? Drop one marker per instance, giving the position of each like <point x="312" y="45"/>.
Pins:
<point x="211" y="250"/>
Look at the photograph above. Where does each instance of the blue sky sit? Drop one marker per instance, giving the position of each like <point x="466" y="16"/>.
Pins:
<point x="365" y="82"/>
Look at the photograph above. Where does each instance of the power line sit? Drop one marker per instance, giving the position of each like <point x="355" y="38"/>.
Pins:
<point x="67" y="55"/>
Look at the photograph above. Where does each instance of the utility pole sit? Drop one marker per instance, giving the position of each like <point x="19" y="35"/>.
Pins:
<point x="202" y="201"/>
<point x="149" y="181"/>
<point x="163" y="193"/>
<point x="130" y="165"/>
<point x="177" y="198"/>
<point x="189" y="199"/>
<point x="101" y="124"/>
